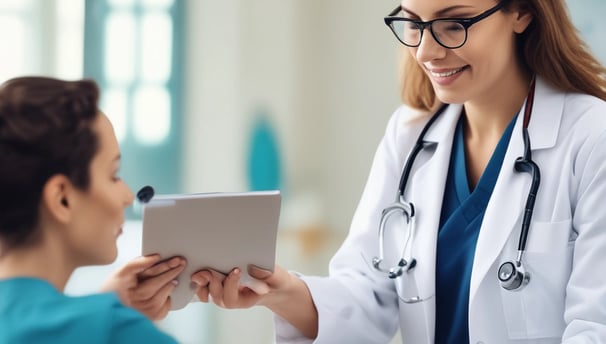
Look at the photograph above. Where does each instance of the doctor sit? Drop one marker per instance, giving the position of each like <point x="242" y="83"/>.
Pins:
<point x="483" y="217"/>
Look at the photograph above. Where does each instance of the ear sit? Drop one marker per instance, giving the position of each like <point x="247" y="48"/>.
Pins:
<point x="523" y="18"/>
<point x="56" y="195"/>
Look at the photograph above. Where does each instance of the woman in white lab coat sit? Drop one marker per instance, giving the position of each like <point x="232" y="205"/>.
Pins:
<point x="527" y="113"/>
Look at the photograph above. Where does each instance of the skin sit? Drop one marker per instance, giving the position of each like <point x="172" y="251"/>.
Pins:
<point x="145" y="283"/>
<point x="492" y="87"/>
<point x="80" y="227"/>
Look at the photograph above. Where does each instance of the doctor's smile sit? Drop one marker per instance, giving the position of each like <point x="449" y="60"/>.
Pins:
<point x="445" y="76"/>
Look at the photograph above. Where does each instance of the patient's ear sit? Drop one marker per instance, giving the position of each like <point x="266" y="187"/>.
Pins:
<point x="56" y="195"/>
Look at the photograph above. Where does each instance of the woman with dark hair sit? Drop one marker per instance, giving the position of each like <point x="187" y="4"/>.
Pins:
<point x="483" y="218"/>
<point x="62" y="207"/>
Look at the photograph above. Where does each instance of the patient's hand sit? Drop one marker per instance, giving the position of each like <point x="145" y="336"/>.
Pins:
<point x="145" y="284"/>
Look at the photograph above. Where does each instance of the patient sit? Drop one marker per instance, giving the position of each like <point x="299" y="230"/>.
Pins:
<point x="62" y="207"/>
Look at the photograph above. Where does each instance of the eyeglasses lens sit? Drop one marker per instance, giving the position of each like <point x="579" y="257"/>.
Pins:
<point x="448" y="33"/>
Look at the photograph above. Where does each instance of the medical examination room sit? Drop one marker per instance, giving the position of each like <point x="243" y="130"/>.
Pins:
<point x="234" y="96"/>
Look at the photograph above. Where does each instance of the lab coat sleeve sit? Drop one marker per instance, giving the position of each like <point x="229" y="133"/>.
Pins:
<point x="585" y="312"/>
<point x="355" y="303"/>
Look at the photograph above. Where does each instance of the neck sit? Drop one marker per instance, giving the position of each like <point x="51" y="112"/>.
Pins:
<point x="45" y="261"/>
<point x="487" y="118"/>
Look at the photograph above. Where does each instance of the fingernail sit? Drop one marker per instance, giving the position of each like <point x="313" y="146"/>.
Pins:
<point x="236" y="271"/>
<point x="174" y="282"/>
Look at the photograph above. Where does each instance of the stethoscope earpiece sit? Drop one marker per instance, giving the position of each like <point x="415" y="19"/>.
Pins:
<point x="512" y="276"/>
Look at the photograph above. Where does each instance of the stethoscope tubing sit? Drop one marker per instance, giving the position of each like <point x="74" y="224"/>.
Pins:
<point x="518" y="276"/>
<point x="419" y="145"/>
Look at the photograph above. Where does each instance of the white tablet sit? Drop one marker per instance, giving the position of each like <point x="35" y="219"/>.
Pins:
<point x="220" y="231"/>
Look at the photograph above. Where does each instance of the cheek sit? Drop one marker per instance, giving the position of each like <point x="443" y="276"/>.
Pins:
<point x="107" y="207"/>
<point x="490" y="50"/>
<point x="113" y="208"/>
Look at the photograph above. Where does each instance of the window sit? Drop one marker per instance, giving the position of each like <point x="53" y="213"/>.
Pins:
<point x="132" y="49"/>
<point x="41" y="37"/>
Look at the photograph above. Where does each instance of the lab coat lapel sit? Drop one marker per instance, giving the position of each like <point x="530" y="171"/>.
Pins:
<point x="426" y="193"/>
<point x="504" y="211"/>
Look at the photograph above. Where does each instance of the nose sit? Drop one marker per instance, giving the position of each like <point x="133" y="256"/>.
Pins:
<point x="129" y="197"/>
<point x="429" y="49"/>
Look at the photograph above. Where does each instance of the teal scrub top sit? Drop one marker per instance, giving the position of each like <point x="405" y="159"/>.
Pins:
<point x="33" y="311"/>
<point x="462" y="213"/>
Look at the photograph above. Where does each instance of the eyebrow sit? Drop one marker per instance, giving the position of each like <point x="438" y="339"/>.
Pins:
<point x="440" y="13"/>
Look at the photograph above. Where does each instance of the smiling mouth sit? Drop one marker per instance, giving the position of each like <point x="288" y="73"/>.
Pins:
<point x="448" y="73"/>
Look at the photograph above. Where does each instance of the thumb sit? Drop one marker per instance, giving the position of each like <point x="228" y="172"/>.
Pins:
<point x="259" y="273"/>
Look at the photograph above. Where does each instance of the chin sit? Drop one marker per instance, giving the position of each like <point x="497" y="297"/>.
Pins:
<point x="112" y="257"/>
<point x="449" y="97"/>
<point x="108" y="257"/>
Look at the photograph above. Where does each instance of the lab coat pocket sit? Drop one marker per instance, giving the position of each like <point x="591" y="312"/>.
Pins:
<point x="537" y="310"/>
<point x="414" y="316"/>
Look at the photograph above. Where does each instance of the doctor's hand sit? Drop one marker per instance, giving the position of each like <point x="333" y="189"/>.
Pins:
<point x="145" y="284"/>
<point x="283" y="293"/>
<point x="229" y="291"/>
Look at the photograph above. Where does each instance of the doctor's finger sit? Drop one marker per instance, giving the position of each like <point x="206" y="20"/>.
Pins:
<point x="202" y="293"/>
<point x="202" y="279"/>
<point x="230" y="289"/>
<point x="215" y="288"/>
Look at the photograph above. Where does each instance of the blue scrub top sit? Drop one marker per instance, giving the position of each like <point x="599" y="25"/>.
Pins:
<point x="460" y="221"/>
<point x="33" y="311"/>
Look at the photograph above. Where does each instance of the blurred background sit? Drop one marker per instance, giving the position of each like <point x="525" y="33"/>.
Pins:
<point x="233" y="95"/>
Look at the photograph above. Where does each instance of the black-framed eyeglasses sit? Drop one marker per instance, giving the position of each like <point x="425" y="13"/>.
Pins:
<point x="450" y="33"/>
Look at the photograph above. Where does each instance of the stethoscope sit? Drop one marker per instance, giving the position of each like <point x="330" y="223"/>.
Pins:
<point x="511" y="274"/>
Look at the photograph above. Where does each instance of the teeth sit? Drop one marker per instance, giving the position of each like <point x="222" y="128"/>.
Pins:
<point x="447" y="74"/>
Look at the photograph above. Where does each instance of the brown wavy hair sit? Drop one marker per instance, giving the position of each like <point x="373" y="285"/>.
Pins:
<point x="46" y="128"/>
<point x="551" y="47"/>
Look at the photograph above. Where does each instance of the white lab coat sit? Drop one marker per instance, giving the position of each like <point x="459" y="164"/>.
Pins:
<point x="565" y="300"/>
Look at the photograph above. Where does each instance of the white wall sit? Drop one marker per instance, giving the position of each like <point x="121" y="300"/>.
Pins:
<point x="325" y="70"/>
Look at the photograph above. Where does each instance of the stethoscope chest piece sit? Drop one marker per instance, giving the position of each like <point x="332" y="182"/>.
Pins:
<point x="406" y="211"/>
<point x="512" y="275"/>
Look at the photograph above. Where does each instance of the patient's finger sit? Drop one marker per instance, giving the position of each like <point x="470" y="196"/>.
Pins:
<point x="148" y="288"/>
<point x="161" y="267"/>
<point x="139" y="264"/>
<point x="163" y="311"/>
